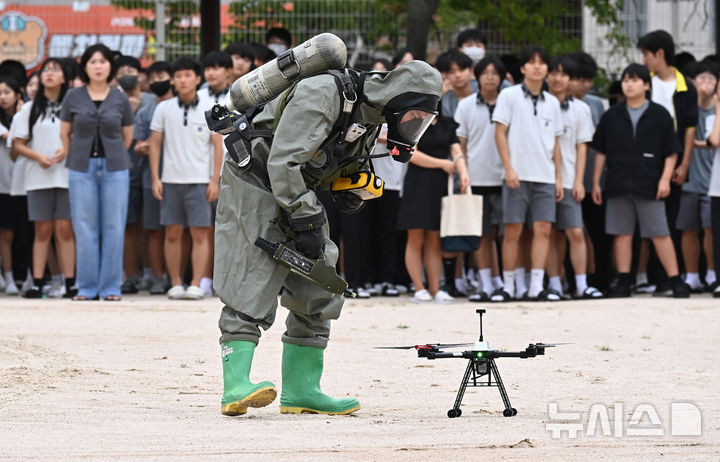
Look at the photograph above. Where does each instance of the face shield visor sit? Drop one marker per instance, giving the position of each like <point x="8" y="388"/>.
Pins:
<point x="406" y="126"/>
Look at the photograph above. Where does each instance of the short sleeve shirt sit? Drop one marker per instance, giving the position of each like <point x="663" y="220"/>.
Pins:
<point x="532" y="128"/>
<point x="187" y="148"/>
<point x="577" y="128"/>
<point x="701" y="162"/>
<point x="475" y="125"/>
<point x="45" y="140"/>
<point x="6" y="164"/>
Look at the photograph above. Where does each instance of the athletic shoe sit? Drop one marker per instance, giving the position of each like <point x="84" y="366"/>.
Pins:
<point x="129" y="287"/>
<point x="619" y="291"/>
<point x="33" y="292"/>
<point x="645" y="288"/>
<point x="194" y="293"/>
<point x="158" y="286"/>
<point x="681" y="290"/>
<point x="443" y="297"/>
<point x="664" y="289"/>
<point x="11" y="288"/>
<point x="422" y="296"/>
<point x="57" y="292"/>
<point x="176" y="292"/>
<point x="386" y="289"/>
<point x="716" y="292"/>
<point x="371" y="290"/>
<point x="401" y="289"/>
<point x="70" y="293"/>
<point x="144" y="284"/>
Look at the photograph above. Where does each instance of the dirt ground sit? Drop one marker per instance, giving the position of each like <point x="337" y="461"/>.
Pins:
<point x="141" y="379"/>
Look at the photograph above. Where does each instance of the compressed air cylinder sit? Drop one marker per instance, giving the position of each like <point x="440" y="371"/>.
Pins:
<point x="320" y="53"/>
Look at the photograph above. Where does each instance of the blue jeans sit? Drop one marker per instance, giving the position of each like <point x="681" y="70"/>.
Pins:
<point x="98" y="206"/>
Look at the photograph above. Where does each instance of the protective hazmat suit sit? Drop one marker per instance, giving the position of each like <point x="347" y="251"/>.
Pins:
<point x="298" y="159"/>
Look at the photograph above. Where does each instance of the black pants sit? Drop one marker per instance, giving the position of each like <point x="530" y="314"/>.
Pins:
<point x="715" y="224"/>
<point x="387" y="261"/>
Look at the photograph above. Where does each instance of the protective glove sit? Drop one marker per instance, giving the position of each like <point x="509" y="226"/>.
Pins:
<point x="310" y="243"/>
<point x="347" y="202"/>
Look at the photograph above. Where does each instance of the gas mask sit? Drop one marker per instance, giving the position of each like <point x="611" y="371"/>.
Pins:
<point x="408" y="116"/>
<point x="474" y="53"/>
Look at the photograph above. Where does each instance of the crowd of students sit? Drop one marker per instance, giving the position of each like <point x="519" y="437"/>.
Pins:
<point x="117" y="163"/>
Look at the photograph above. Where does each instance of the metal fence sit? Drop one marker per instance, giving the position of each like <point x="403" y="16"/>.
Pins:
<point x="34" y="29"/>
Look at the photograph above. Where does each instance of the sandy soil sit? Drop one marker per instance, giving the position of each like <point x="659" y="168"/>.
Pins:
<point x="141" y="380"/>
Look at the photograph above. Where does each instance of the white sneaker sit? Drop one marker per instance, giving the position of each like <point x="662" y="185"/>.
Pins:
<point x="194" y="293"/>
<point x="11" y="288"/>
<point x="422" y="296"/>
<point x="56" y="292"/>
<point x="361" y="292"/>
<point x="176" y="292"/>
<point x="443" y="297"/>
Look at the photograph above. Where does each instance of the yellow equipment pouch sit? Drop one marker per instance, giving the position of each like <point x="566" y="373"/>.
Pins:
<point x="365" y="184"/>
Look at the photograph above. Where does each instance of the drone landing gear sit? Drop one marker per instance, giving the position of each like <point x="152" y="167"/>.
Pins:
<point x="476" y="369"/>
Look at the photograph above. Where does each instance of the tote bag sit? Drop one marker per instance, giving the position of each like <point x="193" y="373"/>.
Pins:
<point x="460" y="220"/>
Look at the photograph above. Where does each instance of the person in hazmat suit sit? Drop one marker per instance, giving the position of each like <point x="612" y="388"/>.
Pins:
<point x="299" y="150"/>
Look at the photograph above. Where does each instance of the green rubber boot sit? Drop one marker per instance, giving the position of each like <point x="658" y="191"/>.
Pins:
<point x="302" y="367"/>
<point x="240" y="393"/>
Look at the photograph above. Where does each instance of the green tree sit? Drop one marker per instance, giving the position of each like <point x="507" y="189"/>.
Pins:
<point x="181" y="36"/>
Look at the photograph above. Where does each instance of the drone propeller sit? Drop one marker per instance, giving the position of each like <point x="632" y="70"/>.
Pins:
<point x="552" y="344"/>
<point x="426" y="346"/>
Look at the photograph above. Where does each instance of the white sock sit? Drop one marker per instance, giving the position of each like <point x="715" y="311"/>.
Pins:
<point x="9" y="277"/>
<point x="710" y="277"/>
<point x="206" y="285"/>
<point x="556" y="284"/>
<point x="460" y="285"/>
<point x="641" y="278"/>
<point x="486" y="281"/>
<point x="509" y="280"/>
<point x="56" y="279"/>
<point x="581" y="283"/>
<point x="693" y="280"/>
<point x="148" y="273"/>
<point x="520" y="282"/>
<point x="497" y="282"/>
<point x="536" y="282"/>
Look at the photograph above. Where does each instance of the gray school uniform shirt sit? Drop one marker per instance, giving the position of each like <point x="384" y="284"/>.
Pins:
<point x="88" y="120"/>
<point x="702" y="158"/>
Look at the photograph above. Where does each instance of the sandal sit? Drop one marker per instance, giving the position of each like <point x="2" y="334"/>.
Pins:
<point x="500" y="296"/>
<point x="82" y="298"/>
<point x="479" y="297"/>
<point x="590" y="293"/>
<point x="548" y="295"/>
<point x="113" y="298"/>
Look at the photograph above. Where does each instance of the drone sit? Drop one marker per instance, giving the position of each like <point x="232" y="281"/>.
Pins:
<point x="481" y="362"/>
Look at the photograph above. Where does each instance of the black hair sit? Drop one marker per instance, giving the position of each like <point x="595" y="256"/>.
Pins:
<point x="41" y="103"/>
<point x="15" y="69"/>
<point x="279" y="32"/>
<point x="471" y="34"/>
<point x="614" y="92"/>
<point x="9" y="80"/>
<point x="131" y="61"/>
<point x="397" y="57"/>
<point x="585" y="65"/>
<point x="658" y="40"/>
<point x="496" y="63"/>
<point x="565" y="64"/>
<point x="512" y="65"/>
<point x="263" y="53"/>
<point x="71" y="67"/>
<point x="217" y="59"/>
<point x="158" y="67"/>
<point x="184" y="63"/>
<point x="638" y="71"/>
<point x="243" y="49"/>
<point x="682" y="59"/>
<point x="386" y="64"/>
<point x="88" y="54"/>
<point x="529" y="53"/>
<point x="450" y="57"/>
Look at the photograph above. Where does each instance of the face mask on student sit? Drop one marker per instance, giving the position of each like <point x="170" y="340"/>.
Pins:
<point x="475" y="53"/>
<point x="160" y="88"/>
<point x="278" y="48"/>
<point x="128" y="82"/>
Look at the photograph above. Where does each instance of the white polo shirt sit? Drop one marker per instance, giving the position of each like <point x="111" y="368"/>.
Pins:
<point x="213" y="98"/>
<point x="46" y="141"/>
<point x="532" y="128"/>
<point x="474" y="124"/>
<point x="577" y="128"/>
<point x="187" y="149"/>
<point x="6" y="164"/>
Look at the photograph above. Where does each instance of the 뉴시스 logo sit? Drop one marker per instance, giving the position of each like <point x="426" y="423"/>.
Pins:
<point x="22" y="38"/>
<point x="681" y="419"/>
